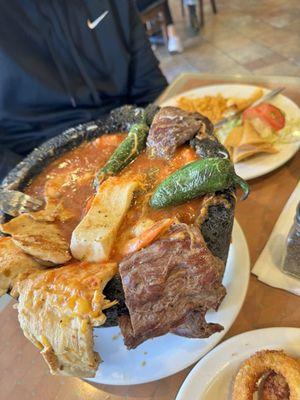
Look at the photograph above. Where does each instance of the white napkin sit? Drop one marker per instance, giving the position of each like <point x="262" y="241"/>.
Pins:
<point x="267" y="265"/>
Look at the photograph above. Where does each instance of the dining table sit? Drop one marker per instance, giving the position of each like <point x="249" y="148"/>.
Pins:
<point x="23" y="372"/>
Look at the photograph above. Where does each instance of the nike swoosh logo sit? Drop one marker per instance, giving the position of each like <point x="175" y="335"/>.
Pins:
<point x="92" y="25"/>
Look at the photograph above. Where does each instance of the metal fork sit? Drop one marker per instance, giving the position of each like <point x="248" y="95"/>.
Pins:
<point x="14" y="203"/>
<point x="263" y="99"/>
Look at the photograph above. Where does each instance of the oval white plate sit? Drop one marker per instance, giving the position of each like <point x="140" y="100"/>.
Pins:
<point x="213" y="376"/>
<point x="168" y="354"/>
<point x="260" y="164"/>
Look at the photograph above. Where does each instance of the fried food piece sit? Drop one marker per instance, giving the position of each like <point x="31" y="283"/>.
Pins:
<point x="274" y="387"/>
<point x="42" y="240"/>
<point x="57" y="311"/>
<point x="250" y="135"/>
<point x="234" y="138"/>
<point x="15" y="265"/>
<point x="244" y="141"/>
<point x="246" y="151"/>
<point x="259" y="364"/>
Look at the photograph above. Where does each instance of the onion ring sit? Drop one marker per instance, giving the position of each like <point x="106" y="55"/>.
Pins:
<point x="259" y="364"/>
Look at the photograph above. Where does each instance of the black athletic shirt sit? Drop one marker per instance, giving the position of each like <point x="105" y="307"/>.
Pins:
<point x="56" y="72"/>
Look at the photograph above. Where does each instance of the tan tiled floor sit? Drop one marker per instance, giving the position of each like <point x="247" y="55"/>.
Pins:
<point x="245" y="37"/>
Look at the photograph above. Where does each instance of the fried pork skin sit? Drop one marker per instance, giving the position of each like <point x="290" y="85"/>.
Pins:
<point x="58" y="309"/>
<point x="15" y="265"/>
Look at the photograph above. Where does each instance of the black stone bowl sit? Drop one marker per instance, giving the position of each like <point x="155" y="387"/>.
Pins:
<point x="119" y="119"/>
<point x="216" y="228"/>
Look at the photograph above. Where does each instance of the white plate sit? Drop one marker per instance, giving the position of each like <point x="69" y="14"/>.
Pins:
<point x="263" y="163"/>
<point x="168" y="354"/>
<point x="213" y="376"/>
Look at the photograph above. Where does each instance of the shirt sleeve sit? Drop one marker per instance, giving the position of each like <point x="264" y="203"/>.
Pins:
<point x="146" y="79"/>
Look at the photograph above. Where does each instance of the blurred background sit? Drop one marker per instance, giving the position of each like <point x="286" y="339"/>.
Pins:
<point x="243" y="37"/>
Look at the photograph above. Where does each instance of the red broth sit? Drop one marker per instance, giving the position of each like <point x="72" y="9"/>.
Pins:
<point x="70" y="178"/>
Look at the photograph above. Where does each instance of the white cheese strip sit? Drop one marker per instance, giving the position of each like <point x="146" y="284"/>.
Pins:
<point x="93" y="238"/>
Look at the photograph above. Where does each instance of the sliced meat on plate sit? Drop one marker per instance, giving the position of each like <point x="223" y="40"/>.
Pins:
<point x="42" y="240"/>
<point x="15" y="265"/>
<point x="166" y="281"/>
<point x="93" y="238"/>
<point x="172" y="127"/>
<point x="57" y="311"/>
<point x="195" y="325"/>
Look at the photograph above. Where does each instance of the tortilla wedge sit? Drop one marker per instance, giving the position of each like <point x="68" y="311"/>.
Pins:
<point x="250" y="135"/>
<point x="234" y="137"/>
<point x="247" y="150"/>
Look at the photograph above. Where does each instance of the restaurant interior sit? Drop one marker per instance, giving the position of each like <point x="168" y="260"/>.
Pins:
<point x="244" y="37"/>
<point x="150" y="200"/>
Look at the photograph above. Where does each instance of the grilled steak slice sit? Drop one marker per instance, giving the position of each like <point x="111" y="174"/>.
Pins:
<point x="172" y="127"/>
<point x="195" y="326"/>
<point x="130" y="339"/>
<point x="166" y="281"/>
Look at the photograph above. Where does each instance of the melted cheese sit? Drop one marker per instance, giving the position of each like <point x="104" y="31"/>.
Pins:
<point x="58" y="309"/>
<point x="93" y="239"/>
<point x="75" y="288"/>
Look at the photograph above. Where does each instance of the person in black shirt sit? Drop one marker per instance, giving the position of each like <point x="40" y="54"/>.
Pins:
<point x="57" y="70"/>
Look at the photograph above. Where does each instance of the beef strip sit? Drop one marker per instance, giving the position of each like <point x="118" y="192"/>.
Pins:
<point x="172" y="127"/>
<point x="195" y="326"/>
<point x="166" y="281"/>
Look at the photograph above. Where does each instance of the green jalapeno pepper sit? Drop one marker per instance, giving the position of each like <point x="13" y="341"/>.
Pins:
<point x="127" y="151"/>
<point x="196" y="179"/>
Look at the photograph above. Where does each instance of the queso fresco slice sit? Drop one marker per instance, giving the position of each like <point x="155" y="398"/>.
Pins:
<point x="93" y="238"/>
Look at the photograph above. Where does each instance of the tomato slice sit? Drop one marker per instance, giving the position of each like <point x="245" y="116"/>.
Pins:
<point x="268" y="113"/>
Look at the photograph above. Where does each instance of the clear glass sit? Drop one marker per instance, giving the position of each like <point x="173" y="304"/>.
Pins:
<point x="291" y="258"/>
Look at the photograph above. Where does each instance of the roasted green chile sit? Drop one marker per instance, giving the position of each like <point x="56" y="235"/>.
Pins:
<point x="127" y="151"/>
<point x="196" y="179"/>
